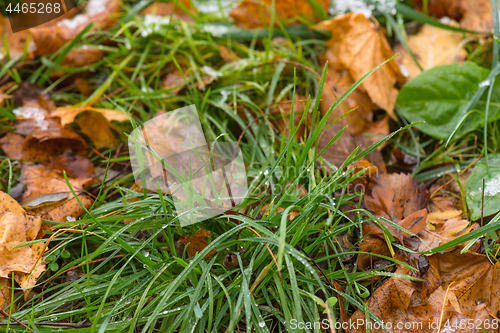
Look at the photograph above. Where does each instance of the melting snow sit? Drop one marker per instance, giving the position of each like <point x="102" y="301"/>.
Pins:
<point x="364" y="7"/>
<point x="491" y="187"/>
<point x="36" y="114"/>
<point x="153" y="23"/>
<point x="93" y="8"/>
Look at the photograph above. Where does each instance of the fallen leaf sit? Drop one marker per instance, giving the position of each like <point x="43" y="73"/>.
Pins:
<point x="166" y="9"/>
<point x="471" y="277"/>
<point x="472" y="15"/>
<point x="76" y="166"/>
<point x="16" y="227"/>
<point x="42" y="181"/>
<point x="432" y="47"/>
<point x="83" y="86"/>
<point x="69" y="113"/>
<point x="28" y="280"/>
<point x="16" y="42"/>
<point x="5" y="294"/>
<point x="389" y="302"/>
<point x="253" y="14"/>
<point x="357" y="46"/>
<point x="51" y="37"/>
<point x="443" y="227"/>
<point x="196" y="243"/>
<point x="375" y="245"/>
<point x="78" y="57"/>
<point x="96" y="127"/>
<point x="400" y="199"/>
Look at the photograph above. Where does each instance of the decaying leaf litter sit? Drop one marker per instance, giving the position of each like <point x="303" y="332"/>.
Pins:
<point x="406" y="226"/>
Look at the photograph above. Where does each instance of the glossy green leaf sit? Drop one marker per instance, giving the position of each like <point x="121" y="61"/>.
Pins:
<point x="440" y="96"/>
<point x="490" y="172"/>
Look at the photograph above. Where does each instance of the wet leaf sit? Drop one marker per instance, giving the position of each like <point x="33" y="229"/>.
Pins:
<point x="51" y="37"/>
<point x="16" y="227"/>
<point x="68" y="114"/>
<point x="472" y="15"/>
<point x="400" y="199"/>
<point x="181" y="12"/>
<point x="96" y="127"/>
<point x="5" y="294"/>
<point x="440" y="95"/>
<point x="357" y="46"/>
<point x="432" y="47"/>
<point x="196" y="243"/>
<point x="443" y="227"/>
<point x="42" y="181"/>
<point x="489" y="171"/>
<point x="253" y="14"/>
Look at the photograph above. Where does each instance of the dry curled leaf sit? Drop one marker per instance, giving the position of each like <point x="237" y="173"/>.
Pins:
<point x="196" y="243"/>
<point x="257" y="13"/>
<point x="357" y="46"/>
<point x="432" y="47"/>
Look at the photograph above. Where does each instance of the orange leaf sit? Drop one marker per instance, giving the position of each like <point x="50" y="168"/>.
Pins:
<point x="196" y="243"/>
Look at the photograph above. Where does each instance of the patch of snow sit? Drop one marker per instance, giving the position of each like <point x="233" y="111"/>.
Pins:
<point x="34" y="113"/>
<point x="216" y="30"/>
<point x="364" y="7"/>
<point x="211" y="71"/>
<point x="225" y="94"/>
<point x="354" y="6"/>
<point x="70" y="218"/>
<point x="152" y="23"/>
<point x="93" y="8"/>
<point x="491" y="187"/>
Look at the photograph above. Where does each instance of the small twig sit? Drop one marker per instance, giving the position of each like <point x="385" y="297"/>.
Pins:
<point x="4" y="313"/>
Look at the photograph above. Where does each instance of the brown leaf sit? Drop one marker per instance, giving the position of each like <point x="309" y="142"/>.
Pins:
<point x="399" y="198"/>
<point x="357" y="46"/>
<point x="257" y="13"/>
<point x="79" y="57"/>
<point x="96" y="127"/>
<point x="472" y="15"/>
<point x="389" y="302"/>
<point x="443" y="227"/>
<point x="68" y="114"/>
<point x="28" y="280"/>
<point x="76" y="166"/>
<point x="16" y="227"/>
<point x="5" y="293"/>
<point x="166" y="9"/>
<point x="51" y="37"/>
<point x="196" y="243"/>
<point x="471" y="277"/>
<point x="362" y="130"/>
<point x="44" y="184"/>
<point x="432" y="47"/>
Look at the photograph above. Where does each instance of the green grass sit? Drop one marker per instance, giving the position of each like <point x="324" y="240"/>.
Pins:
<point x="132" y="278"/>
